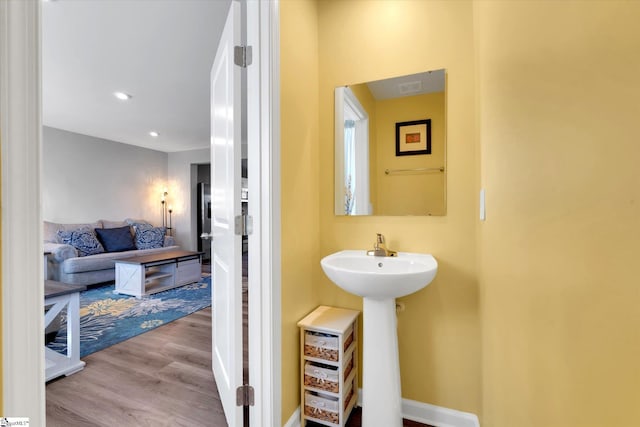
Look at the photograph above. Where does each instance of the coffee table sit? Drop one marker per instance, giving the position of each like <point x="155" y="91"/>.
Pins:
<point x="148" y="274"/>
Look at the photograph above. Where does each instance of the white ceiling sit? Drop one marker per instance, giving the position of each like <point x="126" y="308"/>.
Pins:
<point x="414" y="84"/>
<point x="159" y="51"/>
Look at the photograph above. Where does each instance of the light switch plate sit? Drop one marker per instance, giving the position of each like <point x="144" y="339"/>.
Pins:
<point x="483" y="214"/>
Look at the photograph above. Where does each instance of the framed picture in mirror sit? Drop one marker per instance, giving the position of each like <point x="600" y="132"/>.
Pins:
<point x="413" y="137"/>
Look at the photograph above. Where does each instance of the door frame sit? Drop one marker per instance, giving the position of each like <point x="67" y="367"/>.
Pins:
<point x="22" y="290"/>
<point x="23" y="390"/>
<point x="263" y="134"/>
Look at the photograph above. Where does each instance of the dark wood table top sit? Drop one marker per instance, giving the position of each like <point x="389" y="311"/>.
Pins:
<point x="54" y="289"/>
<point x="176" y="255"/>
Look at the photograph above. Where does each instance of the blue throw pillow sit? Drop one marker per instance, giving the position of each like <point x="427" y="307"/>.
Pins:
<point x="117" y="239"/>
<point x="83" y="240"/>
<point x="148" y="236"/>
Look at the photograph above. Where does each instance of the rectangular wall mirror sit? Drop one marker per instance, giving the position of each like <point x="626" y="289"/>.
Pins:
<point x="390" y="146"/>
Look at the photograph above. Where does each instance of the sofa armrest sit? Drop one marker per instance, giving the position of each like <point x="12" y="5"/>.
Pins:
<point x="60" y="252"/>
<point x="169" y="241"/>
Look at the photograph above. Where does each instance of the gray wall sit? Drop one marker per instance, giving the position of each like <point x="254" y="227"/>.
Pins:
<point x="86" y="179"/>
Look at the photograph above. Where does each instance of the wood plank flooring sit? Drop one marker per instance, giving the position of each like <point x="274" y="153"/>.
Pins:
<point x="160" y="378"/>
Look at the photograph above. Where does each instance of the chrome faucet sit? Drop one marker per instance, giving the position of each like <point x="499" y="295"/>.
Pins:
<point x="380" y="249"/>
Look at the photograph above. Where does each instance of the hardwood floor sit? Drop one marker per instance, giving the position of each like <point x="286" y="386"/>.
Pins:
<point x="160" y="378"/>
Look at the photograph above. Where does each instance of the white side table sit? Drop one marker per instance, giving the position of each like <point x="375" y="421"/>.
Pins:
<point x="59" y="295"/>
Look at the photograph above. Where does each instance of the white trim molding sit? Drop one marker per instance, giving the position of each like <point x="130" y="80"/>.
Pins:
<point x="437" y="416"/>
<point x="263" y="111"/>
<point x="23" y="391"/>
<point x="424" y="413"/>
<point x="294" y="419"/>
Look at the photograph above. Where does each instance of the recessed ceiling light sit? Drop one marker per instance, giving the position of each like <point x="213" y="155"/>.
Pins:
<point x="122" y="96"/>
<point x="154" y="134"/>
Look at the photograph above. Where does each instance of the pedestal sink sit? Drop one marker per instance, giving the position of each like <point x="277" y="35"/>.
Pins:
<point x="380" y="280"/>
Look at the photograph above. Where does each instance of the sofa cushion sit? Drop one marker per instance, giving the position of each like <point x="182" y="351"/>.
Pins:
<point x="103" y="261"/>
<point x="148" y="236"/>
<point x="50" y="229"/>
<point x="116" y="239"/>
<point x="83" y="239"/>
<point x="59" y="251"/>
<point x="132" y="222"/>
<point x="113" y="224"/>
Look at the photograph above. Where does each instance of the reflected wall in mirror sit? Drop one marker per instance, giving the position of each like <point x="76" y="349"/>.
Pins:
<point x="371" y="176"/>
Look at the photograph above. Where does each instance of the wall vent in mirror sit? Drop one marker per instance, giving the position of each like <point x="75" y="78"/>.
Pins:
<point x="390" y="146"/>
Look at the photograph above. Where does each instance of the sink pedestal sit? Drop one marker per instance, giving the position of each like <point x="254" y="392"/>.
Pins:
<point x="379" y="281"/>
<point x="382" y="398"/>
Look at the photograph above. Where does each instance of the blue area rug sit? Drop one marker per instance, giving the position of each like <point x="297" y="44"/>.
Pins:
<point x="107" y="318"/>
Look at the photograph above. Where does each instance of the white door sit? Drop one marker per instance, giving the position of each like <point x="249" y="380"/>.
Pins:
<point x="225" y="206"/>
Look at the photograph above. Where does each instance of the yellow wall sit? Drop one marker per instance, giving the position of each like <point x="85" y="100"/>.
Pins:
<point x="560" y="150"/>
<point x="542" y="109"/>
<point x="299" y="175"/>
<point x="439" y="333"/>
<point x="410" y="193"/>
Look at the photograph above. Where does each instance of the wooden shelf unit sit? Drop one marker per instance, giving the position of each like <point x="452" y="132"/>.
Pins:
<point x="328" y="365"/>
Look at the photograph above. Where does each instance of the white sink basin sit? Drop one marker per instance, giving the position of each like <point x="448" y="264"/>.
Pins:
<point x="380" y="280"/>
<point x="379" y="277"/>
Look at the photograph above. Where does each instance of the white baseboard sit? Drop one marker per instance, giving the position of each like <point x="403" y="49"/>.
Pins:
<point x="424" y="413"/>
<point x="437" y="416"/>
<point x="294" y="419"/>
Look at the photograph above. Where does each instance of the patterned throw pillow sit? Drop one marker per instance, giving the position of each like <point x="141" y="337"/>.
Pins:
<point x="148" y="236"/>
<point x="83" y="239"/>
<point x="116" y="239"/>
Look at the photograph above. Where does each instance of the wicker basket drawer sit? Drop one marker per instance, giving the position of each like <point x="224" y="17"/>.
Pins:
<point x="348" y="393"/>
<point x="348" y="366"/>
<point x="321" y="346"/>
<point x="321" y="407"/>
<point x="322" y="377"/>
<point x="325" y="346"/>
<point x="348" y="338"/>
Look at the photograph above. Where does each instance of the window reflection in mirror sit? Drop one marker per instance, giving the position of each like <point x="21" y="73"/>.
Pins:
<point x="355" y="150"/>
<point x="380" y="170"/>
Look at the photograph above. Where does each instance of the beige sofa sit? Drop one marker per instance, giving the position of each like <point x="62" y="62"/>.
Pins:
<point x="64" y="263"/>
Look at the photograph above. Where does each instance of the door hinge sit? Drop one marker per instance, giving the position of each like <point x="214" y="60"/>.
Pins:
<point x="242" y="56"/>
<point x="243" y="225"/>
<point x="244" y="395"/>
